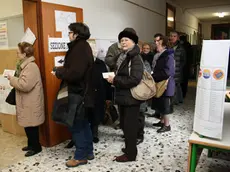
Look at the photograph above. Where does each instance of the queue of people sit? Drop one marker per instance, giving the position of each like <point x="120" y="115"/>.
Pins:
<point x="82" y="76"/>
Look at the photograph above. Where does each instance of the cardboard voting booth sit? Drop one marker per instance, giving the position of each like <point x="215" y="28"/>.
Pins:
<point x="211" y="88"/>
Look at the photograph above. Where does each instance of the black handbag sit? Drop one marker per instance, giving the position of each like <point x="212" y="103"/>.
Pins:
<point x="11" y="98"/>
<point x="68" y="107"/>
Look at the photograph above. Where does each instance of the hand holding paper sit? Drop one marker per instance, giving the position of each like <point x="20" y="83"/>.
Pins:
<point x="8" y="72"/>
<point x="107" y="74"/>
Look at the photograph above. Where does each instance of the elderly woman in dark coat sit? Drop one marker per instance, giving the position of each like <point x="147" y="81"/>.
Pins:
<point x="164" y="69"/>
<point x="129" y="75"/>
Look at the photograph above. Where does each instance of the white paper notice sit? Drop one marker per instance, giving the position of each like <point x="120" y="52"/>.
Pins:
<point x="107" y="74"/>
<point x="3" y="35"/>
<point x="212" y="80"/>
<point x="5" y="89"/>
<point x="103" y="46"/>
<point x="59" y="61"/>
<point x="29" y="37"/>
<point x="58" y="44"/>
<point x="63" y="20"/>
<point x="8" y="72"/>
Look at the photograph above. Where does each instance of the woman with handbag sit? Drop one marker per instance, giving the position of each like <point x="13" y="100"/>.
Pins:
<point x="128" y="76"/>
<point x="76" y="73"/>
<point x="29" y="97"/>
<point x="164" y="71"/>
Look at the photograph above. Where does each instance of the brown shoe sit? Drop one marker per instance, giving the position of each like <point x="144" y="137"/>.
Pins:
<point x="123" y="158"/>
<point x="75" y="163"/>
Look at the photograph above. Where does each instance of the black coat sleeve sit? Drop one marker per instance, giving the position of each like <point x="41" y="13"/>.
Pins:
<point x="79" y="63"/>
<point x="135" y="77"/>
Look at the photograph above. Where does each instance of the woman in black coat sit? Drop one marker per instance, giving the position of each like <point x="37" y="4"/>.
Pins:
<point x="100" y="86"/>
<point x="129" y="75"/>
<point x="76" y="73"/>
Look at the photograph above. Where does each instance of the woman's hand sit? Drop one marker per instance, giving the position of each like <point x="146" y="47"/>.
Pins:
<point x="110" y="79"/>
<point x="9" y="77"/>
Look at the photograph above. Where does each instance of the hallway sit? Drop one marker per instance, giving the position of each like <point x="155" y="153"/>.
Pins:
<point x="158" y="153"/>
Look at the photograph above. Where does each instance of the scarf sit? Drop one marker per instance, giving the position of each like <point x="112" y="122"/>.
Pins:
<point x="18" y="68"/>
<point x="121" y="58"/>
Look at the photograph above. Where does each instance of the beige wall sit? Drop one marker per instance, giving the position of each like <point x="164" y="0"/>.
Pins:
<point x="10" y="8"/>
<point x="207" y="27"/>
<point x="106" y="18"/>
<point x="185" y="22"/>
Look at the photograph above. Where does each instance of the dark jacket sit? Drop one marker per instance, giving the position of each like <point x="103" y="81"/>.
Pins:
<point x="124" y="81"/>
<point x="77" y="70"/>
<point x="180" y="59"/>
<point x="164" y="69"/>
<point x="100" y="87"/>
<point x="112" y="56"/>
<point x="189" y="59"/>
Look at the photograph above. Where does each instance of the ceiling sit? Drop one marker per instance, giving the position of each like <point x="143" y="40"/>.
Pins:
<point x="205" y="9"/>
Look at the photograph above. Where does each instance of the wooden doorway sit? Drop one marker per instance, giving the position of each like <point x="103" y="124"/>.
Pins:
<point x="40" y="17"/>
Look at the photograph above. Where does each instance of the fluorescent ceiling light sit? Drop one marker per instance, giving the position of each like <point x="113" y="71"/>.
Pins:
<point x="221" y="15"/>
<point x="170" y="19"/>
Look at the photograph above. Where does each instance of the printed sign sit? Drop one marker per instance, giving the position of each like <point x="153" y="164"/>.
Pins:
<point x="58" y="45"/>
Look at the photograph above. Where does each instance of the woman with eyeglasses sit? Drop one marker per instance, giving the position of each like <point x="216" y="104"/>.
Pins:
<point x="76" y="74"/>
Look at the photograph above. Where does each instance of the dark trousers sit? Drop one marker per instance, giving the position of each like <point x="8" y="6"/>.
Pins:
<point x="82" y="138"/>
<point x="129" y="124"/>
<point x="141" y="121"/>
<point x="32" y="134"/>
<point x="184" y="87"/>
<point x="178" y="97"/>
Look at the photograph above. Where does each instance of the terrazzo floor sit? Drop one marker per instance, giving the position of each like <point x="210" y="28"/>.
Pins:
<point x="166" y="152"/>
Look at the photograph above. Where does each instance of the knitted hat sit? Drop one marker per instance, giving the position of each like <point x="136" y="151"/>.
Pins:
<point x="128" y="33"/>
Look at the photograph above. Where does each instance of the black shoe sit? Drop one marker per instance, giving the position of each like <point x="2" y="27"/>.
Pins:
<point x="140" y="140"/>
<point x="95" y="140"/>
<point x="159" y="124"/>
<point x="123" y="150"/>
<point x="32" y="153"/>
<point x="164" y="129"/>
<point x="26" y="148"/>
<point x="69" y="145"/>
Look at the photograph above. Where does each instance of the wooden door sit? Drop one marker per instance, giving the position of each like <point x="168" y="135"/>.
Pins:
<point x="51" y="133"/>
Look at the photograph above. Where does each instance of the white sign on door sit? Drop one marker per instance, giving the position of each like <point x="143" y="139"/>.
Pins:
<point x="58" y="44"/>
<point x="59" y="61"/>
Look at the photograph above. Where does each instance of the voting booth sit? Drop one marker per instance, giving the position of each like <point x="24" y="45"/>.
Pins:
<point x="211" y="89"/>
<point x="212" y="114"/>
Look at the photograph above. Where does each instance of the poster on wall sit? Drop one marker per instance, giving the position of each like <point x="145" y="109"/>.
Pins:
<point x="62" y="20"/>
<point x="3" y="35"/>
<point x="5" y="89"/>
<point x="211" y="89"/>
<point x="103" y="46"/>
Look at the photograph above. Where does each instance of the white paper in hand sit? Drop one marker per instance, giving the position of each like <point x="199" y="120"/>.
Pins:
<point x="107" y="74"/>
<point x="8" y="72"/>
<point x="28" y="37"/>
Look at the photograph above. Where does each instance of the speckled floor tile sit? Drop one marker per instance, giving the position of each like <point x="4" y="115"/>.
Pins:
<point x="166" y="152"/>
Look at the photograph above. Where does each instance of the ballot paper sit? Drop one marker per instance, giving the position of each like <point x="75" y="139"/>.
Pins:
<point x="107" y="74"/>
<point x="8" y="72"/>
